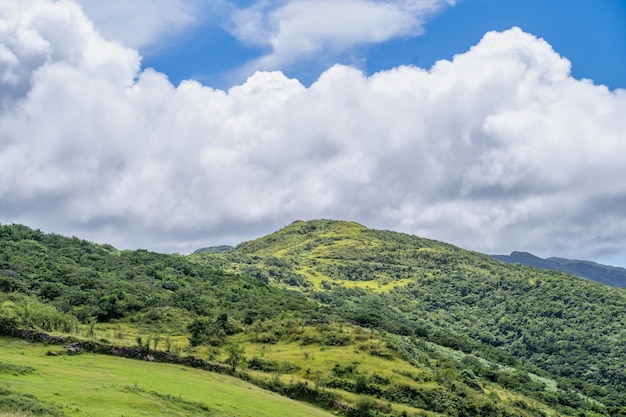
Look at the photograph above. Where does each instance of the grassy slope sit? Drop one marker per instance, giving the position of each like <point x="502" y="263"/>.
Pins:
<point x="433" y="370"/>
<point x="100" y="385"/>
<point x="304" y="353"/>
<point x="96" y="385"/>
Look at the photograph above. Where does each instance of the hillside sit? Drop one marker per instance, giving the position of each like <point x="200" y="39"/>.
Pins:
<point x="131" y="388"/>
<point x="610" y="275"/>
<point x="409" y="285"/>
<point x="359" y="321"/>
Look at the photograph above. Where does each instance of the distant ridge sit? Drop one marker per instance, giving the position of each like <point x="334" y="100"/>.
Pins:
<point x="610" y="275"/>
<point x="214" y="249"/>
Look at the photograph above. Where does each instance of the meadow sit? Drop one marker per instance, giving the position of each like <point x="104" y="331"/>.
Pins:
<point x="97" y="385"/>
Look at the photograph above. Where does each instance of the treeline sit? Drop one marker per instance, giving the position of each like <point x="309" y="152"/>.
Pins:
<point x="98" y="282"/>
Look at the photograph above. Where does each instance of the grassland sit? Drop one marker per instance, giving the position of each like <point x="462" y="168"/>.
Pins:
<point x="97" y="385"/>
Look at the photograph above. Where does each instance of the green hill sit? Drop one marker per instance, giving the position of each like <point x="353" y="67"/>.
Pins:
<point x="359" y="321"/>
<point x="404" y="284"/>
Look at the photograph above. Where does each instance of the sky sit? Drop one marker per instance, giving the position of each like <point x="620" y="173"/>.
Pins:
<point x="171" y="125"/>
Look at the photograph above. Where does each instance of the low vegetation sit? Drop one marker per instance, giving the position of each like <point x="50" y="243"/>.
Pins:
<point x="99" y="385"/>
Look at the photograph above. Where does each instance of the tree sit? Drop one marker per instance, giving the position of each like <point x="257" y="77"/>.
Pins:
<point x="236" y="355"/>
<point x="200" y="329"/>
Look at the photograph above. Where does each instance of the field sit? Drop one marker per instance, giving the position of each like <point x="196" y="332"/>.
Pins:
<point x="97" y="385"/>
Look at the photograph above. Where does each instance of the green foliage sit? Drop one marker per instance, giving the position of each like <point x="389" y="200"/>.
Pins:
<point x="212" y="331"/>
<point x="469" y="302"/>
<point x="86" y="280"/>
<point x="269" y="366"/>
<point x="13" y="369"/>
<point x="20" y="310"/>
<point x="214" y="249"/>
<point x="458" y="328"/>
<point x="364" y="408"/>
<point x="235" y="355"/>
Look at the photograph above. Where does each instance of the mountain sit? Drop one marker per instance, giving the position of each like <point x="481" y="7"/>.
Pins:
<point x="466" y="300"/>
<point x="362" y="322"/>
<point x="610" y="275"/>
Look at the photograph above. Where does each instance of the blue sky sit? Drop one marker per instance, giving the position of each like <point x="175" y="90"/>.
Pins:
<point x="492" y="125"/>
<point x="591" y="34"/>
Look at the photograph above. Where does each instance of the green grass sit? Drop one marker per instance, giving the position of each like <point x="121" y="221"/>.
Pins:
<point x="322" y="360"/>
<point x="126" y="334"/>
<point x="372" y="285"/>
<point x="320" y="256"/>
<point x="97" y="385"/>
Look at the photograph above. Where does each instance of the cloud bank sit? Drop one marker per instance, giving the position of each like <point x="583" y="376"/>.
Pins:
<point x="498" y="149"/>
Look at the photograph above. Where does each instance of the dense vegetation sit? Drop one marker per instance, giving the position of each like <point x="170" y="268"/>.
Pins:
<point x="98" y="282"/>
<point x="407" y="285"/>
<point x="366" y="322"/>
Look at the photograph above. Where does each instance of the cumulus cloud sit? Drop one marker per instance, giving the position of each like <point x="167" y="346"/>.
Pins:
<point x="301" y="29"/>
<point x="498" y="149"/>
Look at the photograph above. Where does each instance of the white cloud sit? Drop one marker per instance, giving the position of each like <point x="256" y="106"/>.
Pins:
<point x="39" y="35"/>
<point x="499" y="149"/>
<point x="303" y="29"/>
<point x="143" y="23"/>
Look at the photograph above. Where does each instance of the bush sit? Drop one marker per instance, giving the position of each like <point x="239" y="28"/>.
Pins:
<point x="7" y="324"/>
<point x="363" y="408"/>
<point x="26" y="403"/>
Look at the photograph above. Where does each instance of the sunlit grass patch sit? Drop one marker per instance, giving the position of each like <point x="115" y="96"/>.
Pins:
<point x="322" y="282"/>
<point x="98" y="385"/>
